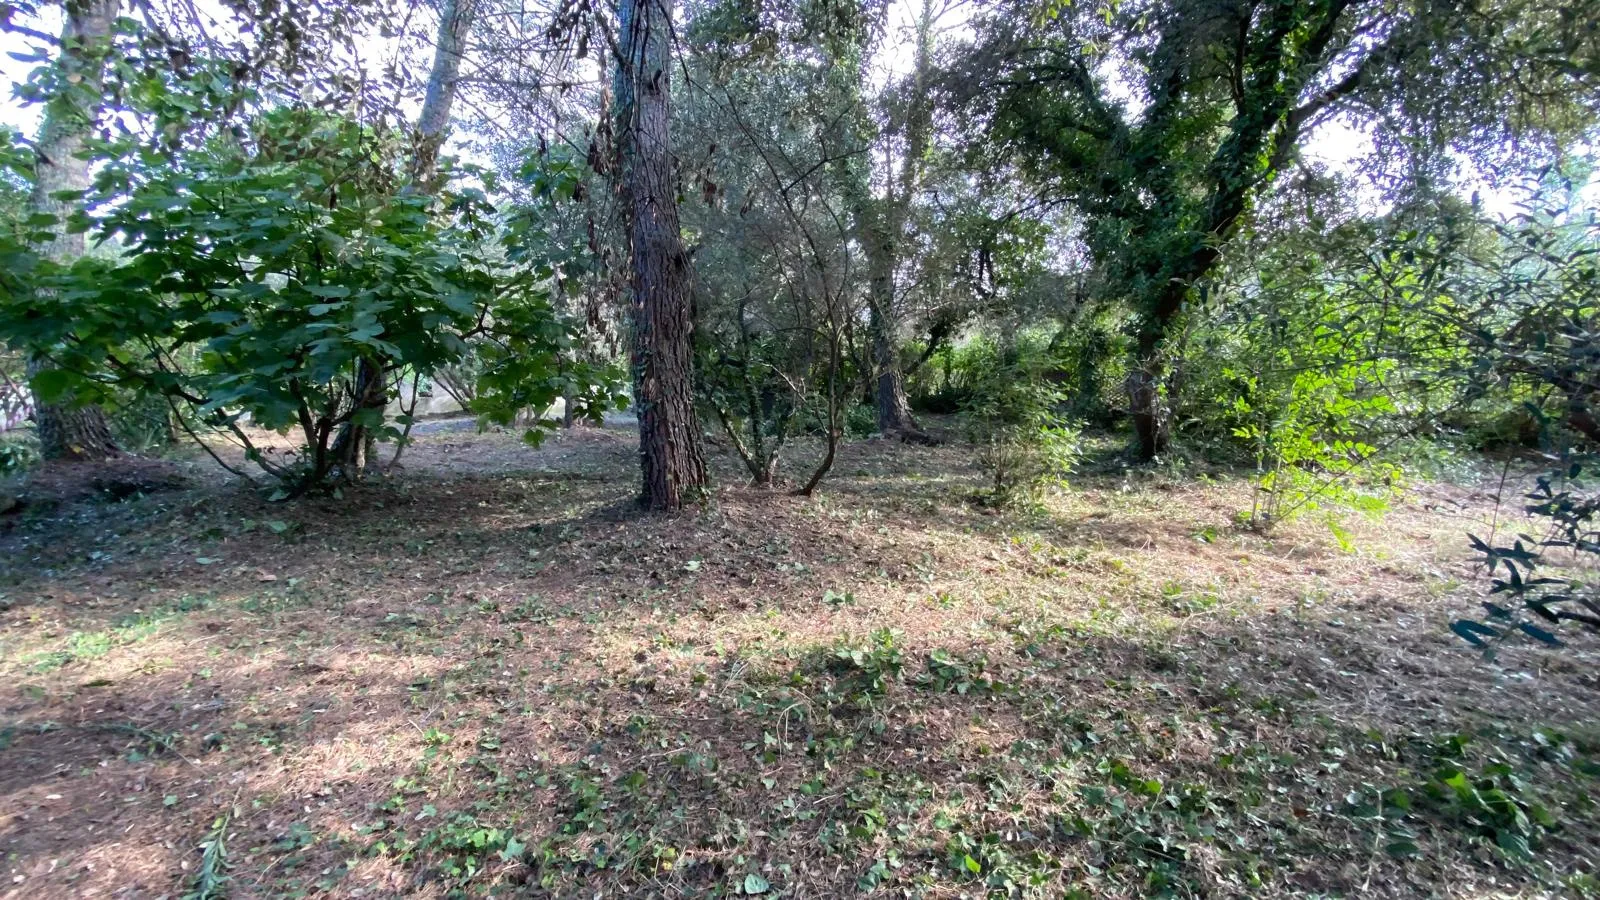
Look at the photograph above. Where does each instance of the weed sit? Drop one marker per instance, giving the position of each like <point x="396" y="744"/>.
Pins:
<point x="211" y="879"/>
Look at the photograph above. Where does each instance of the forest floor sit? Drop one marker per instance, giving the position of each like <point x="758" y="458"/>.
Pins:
<point x="488" y="674"/>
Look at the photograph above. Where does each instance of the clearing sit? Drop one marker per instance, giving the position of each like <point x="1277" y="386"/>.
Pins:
<point x="488" y="675"/>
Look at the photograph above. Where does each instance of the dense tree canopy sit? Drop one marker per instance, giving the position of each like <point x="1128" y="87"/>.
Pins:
<point x="856" y="189"/>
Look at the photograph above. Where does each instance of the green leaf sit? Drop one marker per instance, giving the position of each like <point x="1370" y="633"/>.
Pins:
<point x="755" y="884"/>
<point x="1402" y="847"/>
<point x="52" y="385"/>
<point x="1513" y="844"/>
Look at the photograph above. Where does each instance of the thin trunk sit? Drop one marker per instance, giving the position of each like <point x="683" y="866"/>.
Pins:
<point x="456" y="18"/>
<point x="68" y="431"/>
<point x="357" y="445"/>
<point x="673" y="469"/>
<point x="835" y="423"/>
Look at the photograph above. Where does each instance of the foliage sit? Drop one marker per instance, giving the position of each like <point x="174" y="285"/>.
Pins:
<point x="1307" y="430"/>
<point x="865" y="671"/>
<point x="19" y="451"/>
<point x="1226" y="93"/>
<point x="270" y="282"/>
<point x="1011" y="415"/>
<point x="465" y="846"/>
<point x="211" y="878"/>
<point x="1533" y="298"/>
<point x="1569" y="506"/>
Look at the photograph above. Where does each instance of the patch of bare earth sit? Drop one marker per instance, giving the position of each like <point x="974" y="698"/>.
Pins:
<point x="488" y="674"/>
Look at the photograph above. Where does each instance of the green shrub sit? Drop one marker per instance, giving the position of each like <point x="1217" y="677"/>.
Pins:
<point x="19" y="451"/>
<point x="1024" y="445"/>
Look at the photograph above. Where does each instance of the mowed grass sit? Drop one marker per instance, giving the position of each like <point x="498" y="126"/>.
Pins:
<point x="489" y="676"/>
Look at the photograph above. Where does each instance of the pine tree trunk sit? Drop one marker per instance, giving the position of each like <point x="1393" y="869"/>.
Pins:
<point x="674" y="471"/>
<point x="69" y="431"/>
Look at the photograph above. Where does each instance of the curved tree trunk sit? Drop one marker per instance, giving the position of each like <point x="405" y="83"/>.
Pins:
<point x="66" y="430"/>
<point x="673" y="469"/>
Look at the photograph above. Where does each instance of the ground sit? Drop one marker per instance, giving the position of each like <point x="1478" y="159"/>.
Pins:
<point x="488" y="675"/>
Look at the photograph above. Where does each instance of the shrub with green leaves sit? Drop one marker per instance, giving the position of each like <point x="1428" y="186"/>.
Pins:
<point x="19" y="451"/>
<point x="1309" y="432"/>
<point x="1011" y="415"/>
<point x="285" y="280"/>
<point x="1534" y="299"/>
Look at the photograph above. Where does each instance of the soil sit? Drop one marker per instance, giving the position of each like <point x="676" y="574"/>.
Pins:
<point x="487" y="673"/>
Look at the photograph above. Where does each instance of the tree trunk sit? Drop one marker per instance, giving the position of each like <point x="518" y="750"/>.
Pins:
<point x="894" y="409"/>
<point x="455" y="21"/>
<point x="356" y="447"/>
<point x="1147" y="399"/>
<point x="674" y="471"/>
<point x="66" y="430"/>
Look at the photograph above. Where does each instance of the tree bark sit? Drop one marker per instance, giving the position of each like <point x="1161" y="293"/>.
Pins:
<point x="894" y="409"/>
<point x="456" y="18"/>
<point x="356" y="446"/>
<point x="672" y="466"/>
<point x="76" y="433"/>
<point x="66" y="430"/>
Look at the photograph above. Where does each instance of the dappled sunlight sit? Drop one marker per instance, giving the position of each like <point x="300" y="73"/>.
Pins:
<point x="383" y="708"/>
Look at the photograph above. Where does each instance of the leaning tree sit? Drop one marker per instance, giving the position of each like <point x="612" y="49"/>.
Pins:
<point x="1164" y="121"/>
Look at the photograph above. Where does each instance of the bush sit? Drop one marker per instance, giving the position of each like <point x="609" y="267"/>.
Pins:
<point x="1544" y="282"/>
<point x="19" y="451"/>
<point x="1569" y="505"/>
<point x="288" y="280"/>
<point x="1023" y="443"/>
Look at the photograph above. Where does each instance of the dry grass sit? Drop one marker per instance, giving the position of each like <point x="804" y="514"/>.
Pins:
<point x="1135" y="696"/>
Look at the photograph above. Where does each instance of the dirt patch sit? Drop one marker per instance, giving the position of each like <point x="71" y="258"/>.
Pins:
<point x="112" y="481"/>
<point x="488" y="674"/>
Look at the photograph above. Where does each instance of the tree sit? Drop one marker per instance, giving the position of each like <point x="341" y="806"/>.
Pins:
<point x="455" y="21"/>
<point x="883" y="221"/>
<point x="456" y="18"/>
<point x="67" y="429"/>
<point x="673" y="468"/>
<point x="1224" y="92"/>
<point x="778" y="279"/>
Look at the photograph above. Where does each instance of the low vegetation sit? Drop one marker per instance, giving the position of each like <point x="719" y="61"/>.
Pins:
<point x="891" y="688"/>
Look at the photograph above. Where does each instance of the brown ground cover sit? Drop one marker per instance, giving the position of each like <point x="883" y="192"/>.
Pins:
<point x="488" y="675"/>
